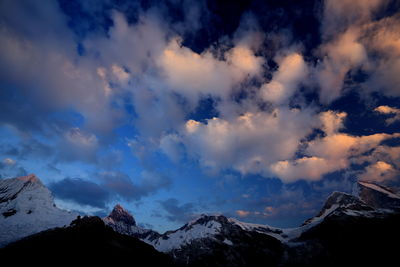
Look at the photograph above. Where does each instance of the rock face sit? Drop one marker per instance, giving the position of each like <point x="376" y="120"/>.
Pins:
<point x="27" y="207"/>
<point x="119" y="214"/>
<point x="379" y="196"/>
<point x="123" y="222"/>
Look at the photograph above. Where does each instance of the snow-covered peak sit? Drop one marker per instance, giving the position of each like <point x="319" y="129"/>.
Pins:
<point x="214" y="227"/>
<point x="27" y="207"/>
<point x="203" y="227"/>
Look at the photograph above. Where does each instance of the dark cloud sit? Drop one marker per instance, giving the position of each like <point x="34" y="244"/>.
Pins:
<point x="81" y="191"/>
<point x="122" y="185"/>
<point x="177" y="212"/>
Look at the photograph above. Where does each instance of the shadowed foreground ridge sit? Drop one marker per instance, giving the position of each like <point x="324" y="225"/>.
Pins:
<point x="88" y="239"/>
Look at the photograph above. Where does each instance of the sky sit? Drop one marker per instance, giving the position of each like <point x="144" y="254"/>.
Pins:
<point x="257" y="110"/>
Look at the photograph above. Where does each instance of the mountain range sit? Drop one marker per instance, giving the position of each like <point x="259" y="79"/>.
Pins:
<point x="349" y="229"/>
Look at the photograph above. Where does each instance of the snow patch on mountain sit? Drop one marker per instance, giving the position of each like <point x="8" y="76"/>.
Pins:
<point x="27" y="207"/>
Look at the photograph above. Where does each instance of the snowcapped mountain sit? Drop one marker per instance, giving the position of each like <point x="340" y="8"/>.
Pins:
<point x="214" y="227"/>
<point x="221" y="241"/>
<point x="123" y="222"/>
<point x="27" y="207"/>
<point x="340" y="203"/>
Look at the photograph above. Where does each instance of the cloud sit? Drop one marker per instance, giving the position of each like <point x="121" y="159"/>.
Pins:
<point x="11" y="168"/>
<point x="291" y="73"/>
<point x="338" y="15"/>
<point x="81" y="191"/>
<point x="394" y="112"/>
<point x="9" y="162"/>
<point x="248" y="143"/>
<point x="340" y="56"/>
<point x="42" y="64"/>
<point x="379" y="172"/>
<point x="177" y="212"/>
<point x="381" y="39"/>
<point x="332" y="121"/>
<point x="357" y="37"/>
<point x="122" y="185"/>
<point x="333" y="152"/>
<point x="243" y="213"/>
<point x="78" y="145"/>
<point x="194" y="75"/>
<point x="383" y="165"/>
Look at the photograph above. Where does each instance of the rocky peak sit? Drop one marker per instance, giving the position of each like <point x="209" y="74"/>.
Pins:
<point x="119" y="214"/>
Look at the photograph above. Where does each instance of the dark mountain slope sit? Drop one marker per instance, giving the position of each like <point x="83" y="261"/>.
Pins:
<point x="345" y="240"/>
<point x="88" y="239"/>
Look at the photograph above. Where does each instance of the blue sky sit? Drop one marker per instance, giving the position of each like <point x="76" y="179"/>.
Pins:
<point x="254" y="109"/>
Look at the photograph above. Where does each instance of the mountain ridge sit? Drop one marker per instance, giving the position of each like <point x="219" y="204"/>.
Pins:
<point x="215" y="240"/>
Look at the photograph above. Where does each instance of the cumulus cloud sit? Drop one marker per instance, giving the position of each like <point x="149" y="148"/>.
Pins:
<point x="340" y="56"/>
<point x="382" y="41"/>
<point x="378" y="172"/>
<point x="292" y="71"/>
<point x="194" y="75"/>
<point x="357" y="38"/>
<point x="249" y="143"/>
<point x="332" y="152"/>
